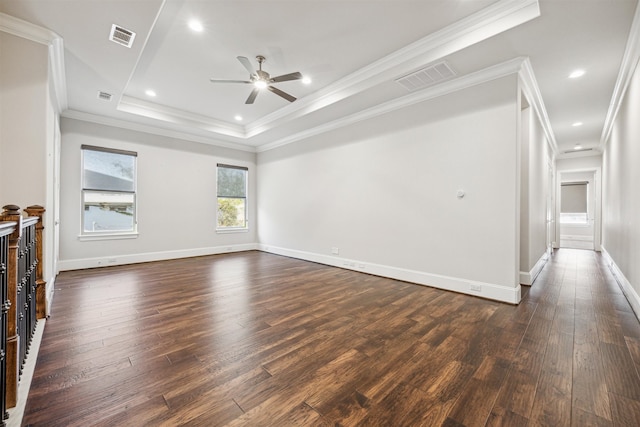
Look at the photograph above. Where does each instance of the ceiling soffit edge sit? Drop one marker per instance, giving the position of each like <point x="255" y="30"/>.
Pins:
<point x="488" y="74"/>
<point x="529" y="86"/>
<point x="492" y="20"/>
<point x="627" y="68"/>
<point x="153" y="130"/>
<point x="155" y="111"/>
<point x="55" y="44"/>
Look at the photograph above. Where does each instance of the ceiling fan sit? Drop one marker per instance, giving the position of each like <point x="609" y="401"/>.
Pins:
<point x="261" y="79"/>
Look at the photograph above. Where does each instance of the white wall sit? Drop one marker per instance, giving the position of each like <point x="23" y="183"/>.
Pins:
<point x="383" y="192"/>
<point x="621" y="197"/>
<point x="176" y="198"/>
<point x="27" y="135"/>
<point x="535" y="186"/>
<point x="24" y="121"/>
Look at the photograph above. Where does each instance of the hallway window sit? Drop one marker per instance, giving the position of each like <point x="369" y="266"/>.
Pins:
<point x="573" y="203"/>
<point x="108" y="191"/>
<point x="232" y="197"/>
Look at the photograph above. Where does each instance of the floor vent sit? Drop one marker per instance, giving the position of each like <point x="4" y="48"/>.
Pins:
<point x="122" y="35"/>
<point x="104" y="96"/>
<point x="427" y="76"/>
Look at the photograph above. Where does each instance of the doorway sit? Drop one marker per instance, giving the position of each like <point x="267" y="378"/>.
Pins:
<point x="578" y="209"/>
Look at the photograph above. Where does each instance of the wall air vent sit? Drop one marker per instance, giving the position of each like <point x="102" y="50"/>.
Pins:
<point x="122" y="35"/>
<point x="582" y="150"/>
<point x="427" y="76"/>
<point x="104" y="96"/>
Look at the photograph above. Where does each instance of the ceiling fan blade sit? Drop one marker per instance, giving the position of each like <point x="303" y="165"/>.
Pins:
<point x="252" y="96"/>
<point x="287" y="77"/>
<point x="228" y="81"/>
<point x="285" y="95"/>
<point x="247" y="65"/>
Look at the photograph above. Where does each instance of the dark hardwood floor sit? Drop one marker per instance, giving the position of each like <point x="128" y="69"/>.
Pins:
<point x="254" y="339"/>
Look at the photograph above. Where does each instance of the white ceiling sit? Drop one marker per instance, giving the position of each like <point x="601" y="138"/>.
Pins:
<point x="352" y="50"/>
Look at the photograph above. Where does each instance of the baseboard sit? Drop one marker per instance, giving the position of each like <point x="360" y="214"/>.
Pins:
<point x="527" y="278"/>
<point x="108" y="261"/>
<point x="492" y="291"/>
<point x="628" y="290"/>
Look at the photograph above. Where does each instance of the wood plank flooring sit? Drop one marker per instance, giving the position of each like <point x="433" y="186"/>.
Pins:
<point x="254" y="339"/>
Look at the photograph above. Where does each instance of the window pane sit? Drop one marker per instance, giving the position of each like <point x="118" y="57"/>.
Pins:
<point x="231" y="212"/>
<point x="573" y="198"/>
<point x="108" y="171"/>
<point x="232" y="182"/>
<point x="108" y="211"/>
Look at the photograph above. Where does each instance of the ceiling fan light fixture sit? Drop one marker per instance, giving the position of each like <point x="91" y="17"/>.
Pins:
<point x="260" y="84"/>
<point x="306" y="80"/>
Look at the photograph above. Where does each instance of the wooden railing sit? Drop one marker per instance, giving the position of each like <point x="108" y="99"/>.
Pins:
<point x="22" y="294"/>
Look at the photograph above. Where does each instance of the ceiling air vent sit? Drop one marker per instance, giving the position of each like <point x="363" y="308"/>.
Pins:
<point x="427" y="76"/>
<point x="577" y="151"/>
<point x="104" y="96"/>
<point x="122" y="35"/>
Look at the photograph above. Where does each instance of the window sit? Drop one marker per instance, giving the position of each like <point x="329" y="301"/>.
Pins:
<point x="232" y="197"/>
<point x="108" y="191"/>
<point x="573" y="203"/>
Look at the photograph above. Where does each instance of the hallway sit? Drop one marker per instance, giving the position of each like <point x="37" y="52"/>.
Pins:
<point x="257" y="339"/>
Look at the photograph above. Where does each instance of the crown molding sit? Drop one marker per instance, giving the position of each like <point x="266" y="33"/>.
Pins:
<point x="491" y="73"/>
<point x="627" y="68"/>
<point x="153" y="130"/>
<point x="529" y="86"/>
<point x="175" y="116"/>
<point x="492" y="20"/>
<point x="55" y="44"/>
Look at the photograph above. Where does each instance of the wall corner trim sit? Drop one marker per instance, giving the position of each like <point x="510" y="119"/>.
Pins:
<point x="626" y="287"/>
<point x="534" y="96"/>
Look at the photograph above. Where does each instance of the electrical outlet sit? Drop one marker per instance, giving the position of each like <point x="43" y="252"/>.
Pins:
<point x="475" y="288"/>
<point x="335" y="251"/>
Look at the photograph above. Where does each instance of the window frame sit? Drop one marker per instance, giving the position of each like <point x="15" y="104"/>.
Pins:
<point x="232" y="229"/>
<point x="575" y="219"/>
<point x="108" y="234"/>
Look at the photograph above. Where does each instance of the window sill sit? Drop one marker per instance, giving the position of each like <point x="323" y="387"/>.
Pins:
<point x="231" y="230"/>
<point x="110" y="236"/>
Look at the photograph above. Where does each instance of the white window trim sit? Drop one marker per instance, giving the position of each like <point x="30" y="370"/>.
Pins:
<point x="108" y="235"/>
<point x="232" y="230"/>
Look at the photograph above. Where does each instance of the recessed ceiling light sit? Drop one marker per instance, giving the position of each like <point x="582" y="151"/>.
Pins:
<point x="577" y="73"/>
<point x="306" y="80"/>
<point x="150" y="92"/>
<point x="576" y="124"/>
<point x="578" y="147"/>
<point x="196" y="25"/>
<point x="238" y="118"/>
